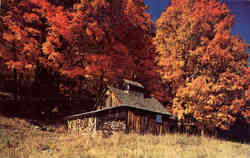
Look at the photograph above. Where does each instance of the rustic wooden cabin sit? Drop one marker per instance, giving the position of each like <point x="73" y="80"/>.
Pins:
<point x="125" y="109"/>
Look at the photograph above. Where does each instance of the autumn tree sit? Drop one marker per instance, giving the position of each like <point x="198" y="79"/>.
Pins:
<point x="203" y="64"/>
<point x="100" y="41"/>
<point x="21" y="37"/>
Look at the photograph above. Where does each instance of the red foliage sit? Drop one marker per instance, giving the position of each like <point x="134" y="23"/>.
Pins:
<point x="105" y="40"/>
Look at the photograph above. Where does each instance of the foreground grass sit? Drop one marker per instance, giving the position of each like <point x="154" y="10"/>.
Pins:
<point x="22" y="141"/>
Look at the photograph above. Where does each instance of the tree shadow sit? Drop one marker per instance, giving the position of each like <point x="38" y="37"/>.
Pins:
<point x="239" y="133"/>
<point x="43" y="111"/>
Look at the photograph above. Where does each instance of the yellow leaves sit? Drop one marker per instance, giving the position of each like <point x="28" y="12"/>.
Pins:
<point x="211" y="100"/>
<point x="171" y="67"/>
<point x="53" y="58"/>
<point x="192" y="93"/>
<point x="180" y="64"/>
<point x="173" y="75"/>
<point x="47" y="48"/>
<point x="189" y="110"/>
<point x="97" y="4"/>
<point x="28" y="66"/>
<point x="196" y="99"/>
<point x="219" y="114"/>
<point x="208" y="116"/>
<point x="230" y="81"/>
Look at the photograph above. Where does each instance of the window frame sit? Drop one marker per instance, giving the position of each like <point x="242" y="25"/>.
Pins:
<point x="158" y="118"/>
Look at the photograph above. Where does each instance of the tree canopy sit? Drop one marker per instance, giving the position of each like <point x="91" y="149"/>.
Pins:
<point x="204" y="64"/>
<point x="104" y="40"/>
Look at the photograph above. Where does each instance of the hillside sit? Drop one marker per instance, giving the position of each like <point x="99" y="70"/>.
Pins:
<point x="58" y="57"/>
<point x="21" y="139"/>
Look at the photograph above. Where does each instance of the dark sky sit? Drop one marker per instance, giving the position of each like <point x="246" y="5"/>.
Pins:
<point x="240" y="8"/>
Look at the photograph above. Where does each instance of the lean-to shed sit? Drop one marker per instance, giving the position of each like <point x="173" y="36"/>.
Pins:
<point x="125" y="109"/>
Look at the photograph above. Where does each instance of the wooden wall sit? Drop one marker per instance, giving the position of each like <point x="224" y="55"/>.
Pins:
<point x="145" y="122"/>
<point x="121" y="119"/>
<point x="110" y="100"/>
<point x="105" y="121"/>
<point x="114" y="120"/>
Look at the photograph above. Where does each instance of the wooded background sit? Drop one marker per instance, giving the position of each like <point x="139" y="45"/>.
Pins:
<point x="68" y="51"/>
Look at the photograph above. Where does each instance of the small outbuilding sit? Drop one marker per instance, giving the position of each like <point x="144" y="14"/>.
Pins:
<point x="125" y="109"/>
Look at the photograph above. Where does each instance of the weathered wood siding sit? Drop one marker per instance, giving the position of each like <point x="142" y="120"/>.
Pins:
<point x="145" y="122"/>
<point x="111" y="100"/>
<point x="114" y="120"/>
<point x="121" y="119"/>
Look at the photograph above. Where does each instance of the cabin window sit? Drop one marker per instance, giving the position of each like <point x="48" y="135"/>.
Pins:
<point x="158" y="118"/>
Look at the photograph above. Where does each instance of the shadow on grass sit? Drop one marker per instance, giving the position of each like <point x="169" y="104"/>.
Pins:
<point x="40" y="112"/>
<point x="240" y="132"/>
<point x="40" y="115"/>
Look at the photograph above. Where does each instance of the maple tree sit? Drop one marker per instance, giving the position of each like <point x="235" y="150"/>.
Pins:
<point x="100" y="41"/>
<point x="20" y="42"/>
<point x="93" y="36"/>
<point x="205" y="66"/>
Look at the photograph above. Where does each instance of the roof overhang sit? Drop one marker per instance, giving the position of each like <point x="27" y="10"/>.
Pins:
<point x="120" y="106"/>
<point x="133" y="83"/>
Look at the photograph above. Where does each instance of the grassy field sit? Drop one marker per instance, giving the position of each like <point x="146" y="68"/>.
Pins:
<point x="19" y="139"/>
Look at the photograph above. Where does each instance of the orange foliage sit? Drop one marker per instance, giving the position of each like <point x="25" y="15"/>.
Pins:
<point x="205" y="66"/>
<point x="98" y="39"/>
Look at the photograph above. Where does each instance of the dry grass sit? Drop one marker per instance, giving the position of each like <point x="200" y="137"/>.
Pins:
<point x="33" y="143"/>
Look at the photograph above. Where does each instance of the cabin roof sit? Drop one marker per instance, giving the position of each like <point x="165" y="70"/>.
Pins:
<point x="109" y="108"/>
<point x="134" y="83"/>
<point x="140" y="102"/>
<point x="130" y="101"/>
